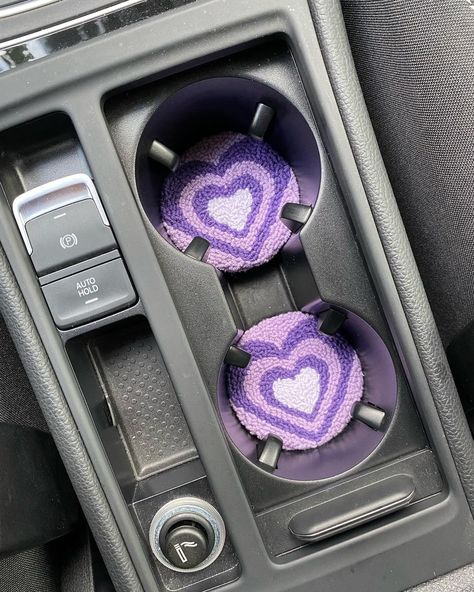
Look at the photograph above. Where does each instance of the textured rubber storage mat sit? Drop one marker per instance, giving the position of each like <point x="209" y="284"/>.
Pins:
<point x="141" y="396"/>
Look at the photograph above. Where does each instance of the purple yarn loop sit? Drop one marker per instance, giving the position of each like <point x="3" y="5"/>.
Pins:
<point x="300" y="384"/>
<point x="230" y="189"/>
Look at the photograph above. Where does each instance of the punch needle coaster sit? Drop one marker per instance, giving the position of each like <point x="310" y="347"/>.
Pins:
<point x="230" y="190"/>
<point x="300" y="384"/>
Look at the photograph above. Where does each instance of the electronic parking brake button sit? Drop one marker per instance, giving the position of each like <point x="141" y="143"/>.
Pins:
<point x="90" y="294"/>
<point x="67" y="235"/>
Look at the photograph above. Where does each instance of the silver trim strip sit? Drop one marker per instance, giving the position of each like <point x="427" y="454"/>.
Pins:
<point x="91" y="16"/>
<point x="25" y="6"/>
<point x="51" y="196"/>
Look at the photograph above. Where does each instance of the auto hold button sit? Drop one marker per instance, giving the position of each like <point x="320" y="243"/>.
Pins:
<point x="90" y="294"/>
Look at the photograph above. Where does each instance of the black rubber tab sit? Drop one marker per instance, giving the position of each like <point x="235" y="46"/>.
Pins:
<point x="237" y="357"/>
<point x="197" y="248"/>
<point x="261" y="121"/>
<point x="330" y="321"/>
<point x="367" y="413"/>
<point x="269" y="453"/>
<point x="295" y="215"/>
<point x="164" y="155"/>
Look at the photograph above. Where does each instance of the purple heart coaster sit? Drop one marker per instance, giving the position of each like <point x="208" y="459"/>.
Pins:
<point x="300" y="384"/>
<point x="230" y="190"/>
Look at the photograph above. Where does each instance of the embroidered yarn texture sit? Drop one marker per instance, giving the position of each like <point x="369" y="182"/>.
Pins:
<point x="230" y="189"/>
<point x="300" y="384"/>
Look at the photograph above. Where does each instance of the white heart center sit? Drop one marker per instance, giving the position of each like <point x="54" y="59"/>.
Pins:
<point x="232" y="211"/>
<point x="301" y="392"/>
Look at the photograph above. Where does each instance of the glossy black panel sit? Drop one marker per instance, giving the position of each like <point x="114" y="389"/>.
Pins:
<point x="46" y="42"/>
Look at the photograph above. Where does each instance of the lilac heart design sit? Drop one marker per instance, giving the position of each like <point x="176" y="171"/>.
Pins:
<point x="300" y="392"/>
<point x="221" y="166"/>
<point x="295" y="365"/>
<point x="285" y="349"/>
<point x="232" y="211"/>
<point x="226" y="186"/>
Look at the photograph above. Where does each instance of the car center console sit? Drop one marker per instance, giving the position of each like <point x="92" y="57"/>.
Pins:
<point x="148" y="338"/>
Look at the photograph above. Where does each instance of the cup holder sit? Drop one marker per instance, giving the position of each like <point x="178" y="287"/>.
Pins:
<point x="227" y="170"/>
<point x="308" y="396"/>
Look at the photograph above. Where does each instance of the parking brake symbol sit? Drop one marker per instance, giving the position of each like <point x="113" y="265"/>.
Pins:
<point x="179" y="550"/>
<point x="68" y="240"/>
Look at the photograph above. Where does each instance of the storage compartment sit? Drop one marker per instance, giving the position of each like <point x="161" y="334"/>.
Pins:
<point x="39" y="152"/>
<point x="132" y="400"/>
<point x="141" y="398"/>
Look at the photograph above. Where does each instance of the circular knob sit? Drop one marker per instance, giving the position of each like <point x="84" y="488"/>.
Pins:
<point x="187" y="534"/>
<point x="186" y="545"/>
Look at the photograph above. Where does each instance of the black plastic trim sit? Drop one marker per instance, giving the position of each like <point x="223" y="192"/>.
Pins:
<point x="59" y="87"/>
<point x="353" y="509"/>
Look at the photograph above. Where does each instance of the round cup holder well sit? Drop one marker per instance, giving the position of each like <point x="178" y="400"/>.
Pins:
<point x="220" y="106"/>
<point x="356" y="442"/>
